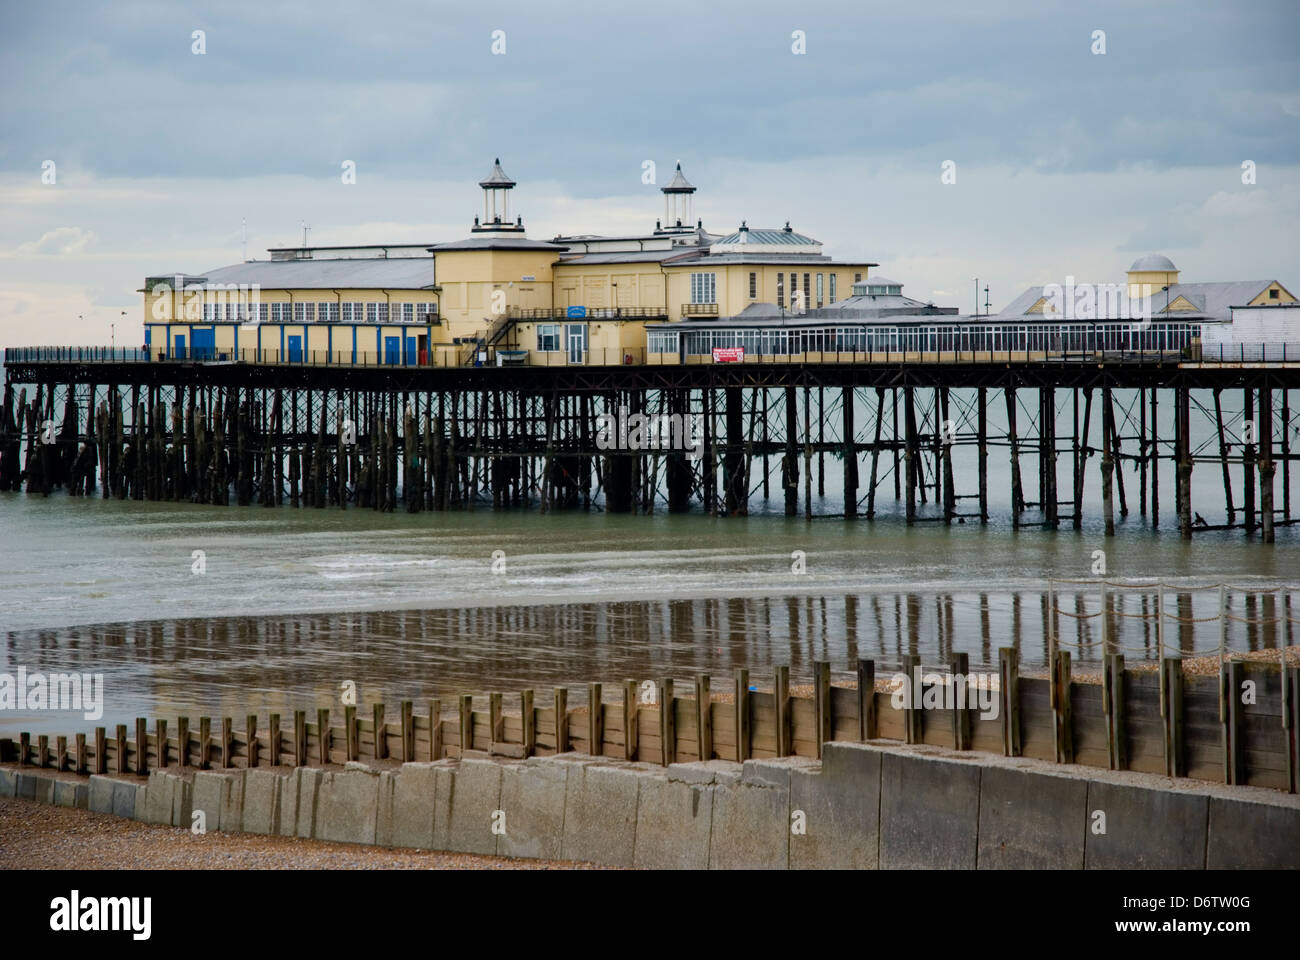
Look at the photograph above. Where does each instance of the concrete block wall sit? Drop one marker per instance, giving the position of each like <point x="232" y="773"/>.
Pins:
<point x="864" y="806"/>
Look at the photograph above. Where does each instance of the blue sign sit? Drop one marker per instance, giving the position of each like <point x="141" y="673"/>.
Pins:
<point x="577" y="313"/>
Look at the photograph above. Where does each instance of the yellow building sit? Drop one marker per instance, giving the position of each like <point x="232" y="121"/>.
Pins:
<point x="496" y="296"/>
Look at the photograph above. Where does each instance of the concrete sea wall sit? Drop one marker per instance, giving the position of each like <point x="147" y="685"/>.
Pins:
<point x="864" y="806"/>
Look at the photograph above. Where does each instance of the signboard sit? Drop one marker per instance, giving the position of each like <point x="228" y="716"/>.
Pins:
<point x="728" y="354"/>
<point x="527" y="278"/>
<point x="577" y="313"/>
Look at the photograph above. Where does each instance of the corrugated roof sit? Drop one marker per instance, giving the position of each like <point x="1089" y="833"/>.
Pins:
<point x="775" y="237"/>
<point x="409" y="273"/>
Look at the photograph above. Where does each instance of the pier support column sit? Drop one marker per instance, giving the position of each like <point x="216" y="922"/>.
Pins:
<point x="1266" y="465"/>
<point x="850" y="456"/>
<point x="790" y="463"/>
<point x="1107" y="463"/>
<point x="983" y="430"/>
<point x="1183" y="419"/>
<point x="1248" y="465"/>
<point x="1017" y="491"/>
<point x="735" y="476"/>
<point x="910" y="452"/>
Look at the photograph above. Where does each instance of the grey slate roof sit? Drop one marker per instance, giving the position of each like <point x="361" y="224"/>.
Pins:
<point x="764" y="235"/>
<point x="678" y="184"/>
<point x="408" y="273"/>
<point x="496" y="177"/>
<point x="1212" y="300"/>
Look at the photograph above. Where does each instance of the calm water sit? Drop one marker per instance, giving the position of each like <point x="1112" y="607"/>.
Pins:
<point x="275" y="622"/>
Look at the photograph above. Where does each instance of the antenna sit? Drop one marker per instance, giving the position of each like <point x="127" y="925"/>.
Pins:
<point x="305" y="229"/>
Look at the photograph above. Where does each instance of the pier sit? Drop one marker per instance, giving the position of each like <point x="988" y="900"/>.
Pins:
<point x="1082" y="431"/>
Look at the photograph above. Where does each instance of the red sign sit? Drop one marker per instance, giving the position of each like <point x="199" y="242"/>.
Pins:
<point x="728" y="354"/>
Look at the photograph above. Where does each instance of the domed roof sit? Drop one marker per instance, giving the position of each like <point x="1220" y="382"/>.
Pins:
<point x="1153" y="261"/>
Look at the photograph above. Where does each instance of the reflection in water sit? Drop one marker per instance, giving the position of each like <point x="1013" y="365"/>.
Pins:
<point x="236" y="665"/>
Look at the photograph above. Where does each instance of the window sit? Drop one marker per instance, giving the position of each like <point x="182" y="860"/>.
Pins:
<point x="753" y="286"/>
<point x="372" y="313"/>
<point x="704" y="288"/>
<point x="329" y="313"/>
<point x="357" y="314"/>
<point x="347" y="313"/>
<point x="662" y="341"/>
<point x="832" y="288"/>
<point x="278" y="313"/>
<point x="819" y="290"/>
<point x="408" y="313"/>
<point x="263" y="312"/>
<point x="780" y="289"/>
<point x="807" y="290"/>
<point x="548" y="337"/>
<point x="207" y="310"/>
<point x="383" y="312"/>
<point x="857" y="278"/>
<point x="1273" y="294"/>
<point x="304" y="312"/>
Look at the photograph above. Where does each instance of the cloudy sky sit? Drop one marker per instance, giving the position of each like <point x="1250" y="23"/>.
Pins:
<point x="1067" y="162"/>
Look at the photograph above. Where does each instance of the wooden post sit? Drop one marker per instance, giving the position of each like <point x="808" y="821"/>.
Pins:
<point x="1291" y="720"/>
<point x="744" y="733"/>
<point x="822" y="702"/>
<point x="183" y="741"/>
<point x="299" y="738"/>
<point x="466" y="723"/>
<point x="160" y="726"/>
<point x="595" y="720"/>
<point x="435" y="729"/>
<point x="381" y="734"/>
<point x="1112" y="704"/>
<point x="913" y="732"/>
<point x="1009" y="670"/>
<point x="323" y="738"/>
<point x="227" y="738"/>
<point x="561" y="720"/>
<point x="24" y="748"/>
<point x="1172" y="716"/>
<point x="121" y="748"/>
<point x="80" y="762"/>
<point x="101" y="751"/>
<point x="43" y="750"/>
<point x="867" y="725"/>
<point x="528" y="721"/>
<point x="351" y="748"/>
<point x="667" y="723"/>
<point x="1234" y="754"/>
<point x="274" y="735"/>
<point x="781" y="688"/>
<point x="141" y="746"/>
<point x="250" y="725"/>
<point x="61" y="753"/>
<point x="631" y="710"/>
<point x="408" y="731"/>
<point x="704" y="716"/>
<point x="962" y="734"/>
<point x="1062" y="710"/>
<point x="496" y="721"/>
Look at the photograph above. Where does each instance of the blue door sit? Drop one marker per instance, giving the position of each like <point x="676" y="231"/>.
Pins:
<point x="393" y="350"/>
<point x="295" y="349"/>
<point x="180" y="347"/>
<point x="412" y="356"/>
<point x="203" y="344"/>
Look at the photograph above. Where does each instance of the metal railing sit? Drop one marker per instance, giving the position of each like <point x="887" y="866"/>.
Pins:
<point x="811" y="352"/>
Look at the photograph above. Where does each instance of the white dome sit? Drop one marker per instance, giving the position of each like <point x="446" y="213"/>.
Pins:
<point x="1153" y="261"/>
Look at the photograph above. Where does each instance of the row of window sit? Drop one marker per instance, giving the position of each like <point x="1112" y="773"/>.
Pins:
<point x="806" y="299"/>
<point x="549" y="337"/>
<point x="1047" y="338"/>
<point x="311" y="312"/>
